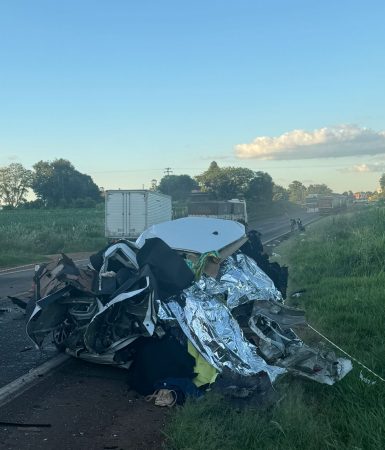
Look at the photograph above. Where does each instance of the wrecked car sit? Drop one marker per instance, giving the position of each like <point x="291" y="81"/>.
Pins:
<point x="184" y="290"/>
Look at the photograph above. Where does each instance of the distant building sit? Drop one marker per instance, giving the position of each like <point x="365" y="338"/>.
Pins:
<point x="360" y="195"/>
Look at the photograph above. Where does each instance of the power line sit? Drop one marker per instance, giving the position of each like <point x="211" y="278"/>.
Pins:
<point x="143" y="170"/>
<point x="169" y="170"/>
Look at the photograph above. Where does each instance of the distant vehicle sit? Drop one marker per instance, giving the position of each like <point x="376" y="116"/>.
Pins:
<point x="129" y="212"/>
<point x="311" y="203"/>
<point x="220" y="209"/>
<point x="326" y="204"/>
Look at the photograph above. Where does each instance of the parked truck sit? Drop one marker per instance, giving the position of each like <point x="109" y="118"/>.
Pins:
<point x="220" y="209"/>
<point x="129" y="212"/>
<point x="328" y="204"/>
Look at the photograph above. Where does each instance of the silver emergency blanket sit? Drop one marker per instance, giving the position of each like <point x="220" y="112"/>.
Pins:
<point x="243" y="282"/>
<point x="211" y="328"/>
<point x="204" y="313"/>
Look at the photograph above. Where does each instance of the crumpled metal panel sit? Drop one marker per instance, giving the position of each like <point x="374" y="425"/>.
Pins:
<point x="124" y="318"/>
<point x="244" y="282"/>
<point x="210" y="326"/>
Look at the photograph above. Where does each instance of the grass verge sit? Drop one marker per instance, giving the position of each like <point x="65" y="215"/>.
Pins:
<point x="340" y="263"/>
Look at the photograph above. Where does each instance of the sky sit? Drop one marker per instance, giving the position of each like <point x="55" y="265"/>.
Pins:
<point x="126" y="89"/>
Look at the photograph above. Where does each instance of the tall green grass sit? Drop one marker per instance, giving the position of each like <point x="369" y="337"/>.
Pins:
<point x="28" y="235"/>
<point x="340" y="263"/>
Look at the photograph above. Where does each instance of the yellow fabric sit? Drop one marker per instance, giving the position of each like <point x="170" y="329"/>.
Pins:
<point x="206" y="374"/>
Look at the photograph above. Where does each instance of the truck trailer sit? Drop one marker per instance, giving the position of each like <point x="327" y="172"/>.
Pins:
<point x="129" y="212"/>
<point x="220" y="209"/>
<point x="334" y="203"/>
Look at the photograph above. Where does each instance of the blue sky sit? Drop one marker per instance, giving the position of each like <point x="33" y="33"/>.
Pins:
<point x="124" y="89"/>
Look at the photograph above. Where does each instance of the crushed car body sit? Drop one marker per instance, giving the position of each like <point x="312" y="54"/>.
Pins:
<point x="184" y="283"/>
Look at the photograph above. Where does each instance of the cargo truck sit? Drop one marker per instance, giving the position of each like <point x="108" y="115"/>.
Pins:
<point x="326" y="204"/>
<point x="226" y="209"/>
<point x="129" y="212"/>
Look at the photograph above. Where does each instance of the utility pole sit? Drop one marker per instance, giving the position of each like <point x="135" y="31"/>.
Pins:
<point x="168" y="171"/>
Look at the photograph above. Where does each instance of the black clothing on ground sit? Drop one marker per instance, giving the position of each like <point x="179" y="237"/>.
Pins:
<point x="157" y="360"/>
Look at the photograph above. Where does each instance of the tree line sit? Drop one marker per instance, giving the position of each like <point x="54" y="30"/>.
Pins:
<point x="55" y="184"/>
<point x="225" y="183"/>
<point x="59" y="184"/>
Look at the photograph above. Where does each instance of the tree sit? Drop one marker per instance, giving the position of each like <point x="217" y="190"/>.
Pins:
<point x="58" y="183"/>
<point x="260" y="188"/>
<point x="211" y="180"/>
<point x="154" y="185"/>
<point x="297" y="192"/>
<point x="280" y="193"/>
<point x="225" y="183"/>
<point x="382" y="183"/>
<point x="178" y="186"/>
<point x="14" y="183"/>
<point x="319" y="189"/>
<point x="240" y="178"/>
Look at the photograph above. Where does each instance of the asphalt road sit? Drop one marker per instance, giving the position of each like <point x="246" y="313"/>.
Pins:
<point x="277" y="226"/>
<point x="18" y="354"/>
<point x="14" y="281"/>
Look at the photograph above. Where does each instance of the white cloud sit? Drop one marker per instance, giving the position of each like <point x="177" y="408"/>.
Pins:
<point x="365" y="168"/>
<point x="328" y="142"/>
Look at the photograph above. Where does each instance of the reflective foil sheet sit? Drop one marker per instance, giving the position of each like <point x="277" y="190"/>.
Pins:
<point x="209" y="325"/>
<point x="245" y="282"/>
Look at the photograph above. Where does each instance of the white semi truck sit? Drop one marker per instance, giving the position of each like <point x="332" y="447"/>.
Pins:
<point x="129" y="212"/>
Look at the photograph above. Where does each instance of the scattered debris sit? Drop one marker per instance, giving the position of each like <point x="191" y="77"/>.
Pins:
<point x="25" y="425"/>
<point x="366" y="380"/>
<point x="163" y="397"/>
<point x="20" y="302"/>
<point x="298" y="293"/>
<point x="26" y="349"/>
<point x="192" y="302"/>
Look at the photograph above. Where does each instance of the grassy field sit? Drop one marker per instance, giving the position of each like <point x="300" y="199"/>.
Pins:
<point x="28" y="235"/>
<point x="340" y="262"/>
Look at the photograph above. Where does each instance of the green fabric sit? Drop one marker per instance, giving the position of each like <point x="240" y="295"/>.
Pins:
<point x="200" y="264"/>
<point x="206" y="374"/>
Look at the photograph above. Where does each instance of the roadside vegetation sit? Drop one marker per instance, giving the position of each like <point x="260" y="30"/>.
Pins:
<point x="340" y="263"/>
<point x="29" y="235"/>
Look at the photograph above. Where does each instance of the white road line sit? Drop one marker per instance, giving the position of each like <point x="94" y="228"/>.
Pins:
<point x="17" y="267"/>
<point x="31" y="267"/>
<point x="5" y="272"/>
<point x="23" y="383"/>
